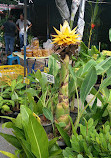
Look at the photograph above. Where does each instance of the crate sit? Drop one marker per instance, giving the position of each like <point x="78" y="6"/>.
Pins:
<point x="11" y="72"/>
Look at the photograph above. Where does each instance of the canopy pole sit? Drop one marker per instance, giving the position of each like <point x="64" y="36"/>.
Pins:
<point x="25" y="35"/>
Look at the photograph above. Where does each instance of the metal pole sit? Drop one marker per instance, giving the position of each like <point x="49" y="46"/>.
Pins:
<point x="48" y="16"/>
<point x="25" y="35"/>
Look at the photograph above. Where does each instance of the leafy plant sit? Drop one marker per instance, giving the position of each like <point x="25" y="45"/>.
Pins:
<point x="89" y="143"/>
<point x="13" y="92"/>
<point x="29" y="137"/>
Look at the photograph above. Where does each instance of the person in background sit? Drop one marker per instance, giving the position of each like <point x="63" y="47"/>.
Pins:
<point x="20" y="27"/>
<point x="9" y="28"/>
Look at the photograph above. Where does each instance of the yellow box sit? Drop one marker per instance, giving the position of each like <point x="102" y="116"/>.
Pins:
<point x="11" y="72"/>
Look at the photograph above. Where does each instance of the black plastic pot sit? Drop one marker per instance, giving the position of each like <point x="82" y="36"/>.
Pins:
<point x="15" y="114"/>
<point x="48" y="127"/>
<point x="61" y="144"/>
<point x="73" y="116"/>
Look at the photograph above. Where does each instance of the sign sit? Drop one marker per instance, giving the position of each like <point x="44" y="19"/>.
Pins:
<point x="50" y="78"/>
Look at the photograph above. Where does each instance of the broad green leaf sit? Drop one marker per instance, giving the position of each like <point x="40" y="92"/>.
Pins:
<point x="105" y="65"/>
<point x="31" y="91"/>
<point x="14" y="96"/>
<point x="18" y="121"/>
<point x="7" y="124"/>
<point x="91" y="63"/>
<point x="19" y="133"/>
<point x="64" y="135"/>
<point x="53" y="66"/>
<point x="27" y="148"/>
<point x="38" y="138"/>
<point x="25" y="112"/>
<point x="12" y="140"/>
<point x="13" y="85"/>
<point x="48" y="114"/>
<point x="88" y="83"/>
<point x="8" y="154"/>
<point x="32" y="103"/>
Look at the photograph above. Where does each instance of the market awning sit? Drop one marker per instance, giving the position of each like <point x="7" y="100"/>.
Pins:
<point x="8" y="7"/>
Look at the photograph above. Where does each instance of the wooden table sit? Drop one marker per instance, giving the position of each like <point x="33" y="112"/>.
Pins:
<point x="19" y="54"/>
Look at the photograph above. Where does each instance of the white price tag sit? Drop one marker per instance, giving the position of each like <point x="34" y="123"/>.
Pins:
<point x="0" y="74"/>
<point x="50" y="78"/>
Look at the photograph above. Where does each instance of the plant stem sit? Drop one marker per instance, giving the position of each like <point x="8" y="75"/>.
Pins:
<point x="90" y="38"/>
<point x="78" y="119"/>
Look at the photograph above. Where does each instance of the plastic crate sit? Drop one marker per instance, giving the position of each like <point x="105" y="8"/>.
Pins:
<point x="11" y="72"/>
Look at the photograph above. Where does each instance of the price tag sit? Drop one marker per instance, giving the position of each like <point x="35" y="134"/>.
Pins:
<point x="50" y="78"/>
<point x="0" y="74"/>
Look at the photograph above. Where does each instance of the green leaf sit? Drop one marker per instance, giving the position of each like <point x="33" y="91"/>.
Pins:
<point x="62" y="124"/>
<point x="10" y="118"/>
<point x="52" y="142"/>
<point x="67" y="152"/>
<point x="90" y="123"/>
<point x="110" y="35"/>
<point x="91" y="63"/>
<point x="48" y="114"/>
<point x="106" y="82"/>
<point x="83" y="130"/>
<point x="64" y="135"/>
<point x="80" y="156"/>
<point x="105" y="65"/>
<point x="53" y="66"/>
<point x="25" y="112"/>
<point x="14" y="96"/>
<point x="94" y="91"/>
<point x="38" y="138"/>
<point x="12" y="140"/>
<point x="8" y="154"/>
<point x="88" y="83"/>
<point x="27" y="148"/>
<point x="13" y="85"/>
<point x="7" y="124"/>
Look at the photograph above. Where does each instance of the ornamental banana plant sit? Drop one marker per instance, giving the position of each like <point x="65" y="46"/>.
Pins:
<point x="67" y="43"/>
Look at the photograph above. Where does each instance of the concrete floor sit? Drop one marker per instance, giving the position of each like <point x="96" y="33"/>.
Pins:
<point x="4" y="145"/>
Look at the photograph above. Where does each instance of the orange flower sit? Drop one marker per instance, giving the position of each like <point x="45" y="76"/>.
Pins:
<point x="93" y="26"/>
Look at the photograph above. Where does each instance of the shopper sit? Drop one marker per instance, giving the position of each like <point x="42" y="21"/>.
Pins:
<point x="20" y="27"/>
<point x="9" y="28"/>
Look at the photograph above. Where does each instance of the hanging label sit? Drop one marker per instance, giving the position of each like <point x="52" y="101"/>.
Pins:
<point x="50" y="78"/>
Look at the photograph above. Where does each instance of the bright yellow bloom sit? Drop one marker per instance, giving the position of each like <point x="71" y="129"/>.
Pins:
<point x="66" y="36"/>
<point x="37" y="117"/>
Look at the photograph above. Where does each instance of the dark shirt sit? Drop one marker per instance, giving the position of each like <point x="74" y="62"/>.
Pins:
<point x="9" y="28"/>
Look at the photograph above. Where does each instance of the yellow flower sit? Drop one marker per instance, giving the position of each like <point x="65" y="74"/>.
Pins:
<point x="37" y="117"/>
<point x="66" y="36"/>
